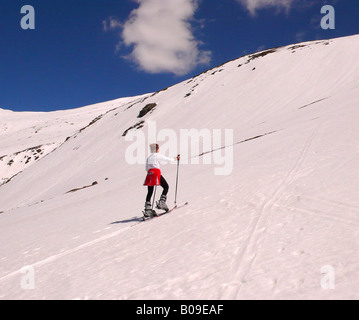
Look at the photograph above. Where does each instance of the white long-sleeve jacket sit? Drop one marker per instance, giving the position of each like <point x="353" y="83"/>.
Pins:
<point x="154" y="161"/>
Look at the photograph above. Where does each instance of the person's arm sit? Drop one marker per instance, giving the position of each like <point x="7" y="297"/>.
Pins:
<point x="163" y="159"/>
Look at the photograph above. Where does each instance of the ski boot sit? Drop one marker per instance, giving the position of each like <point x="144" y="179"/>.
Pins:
<point x="149" y="212"/>
<point x="161" y="204"/>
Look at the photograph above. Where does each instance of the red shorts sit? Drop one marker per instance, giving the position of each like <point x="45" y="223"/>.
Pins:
<point x="153" y="177"/>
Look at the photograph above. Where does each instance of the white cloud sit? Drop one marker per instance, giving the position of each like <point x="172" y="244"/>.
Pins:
<point x="254" y="5"/>
<point x="111" y="24"/>
<point x="160" y="36"/>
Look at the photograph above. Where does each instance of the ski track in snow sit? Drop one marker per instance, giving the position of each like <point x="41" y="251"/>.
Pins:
<point x="321" y="214"/>
<point x="334" y="204"/>
<point x="62" y="254"/>
<point x="247" y="255"/>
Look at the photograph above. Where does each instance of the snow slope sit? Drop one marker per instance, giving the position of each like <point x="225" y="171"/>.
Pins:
<point x="286" y="211"/>
<point x="28" y="136"/>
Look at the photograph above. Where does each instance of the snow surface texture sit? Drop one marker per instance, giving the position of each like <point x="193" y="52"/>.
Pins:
<point x="284" y="224"/>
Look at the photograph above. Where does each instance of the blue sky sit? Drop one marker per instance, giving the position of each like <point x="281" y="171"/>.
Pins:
<point x="87" y="51"/>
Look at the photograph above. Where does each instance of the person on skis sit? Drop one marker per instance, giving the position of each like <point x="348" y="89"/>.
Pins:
<point x="155" y="178"/>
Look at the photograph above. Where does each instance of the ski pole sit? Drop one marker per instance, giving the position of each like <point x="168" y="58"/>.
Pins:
<point x="177" y="180"/>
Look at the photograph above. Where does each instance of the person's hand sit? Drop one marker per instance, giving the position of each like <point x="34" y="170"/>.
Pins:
<point x="178" y="157"/>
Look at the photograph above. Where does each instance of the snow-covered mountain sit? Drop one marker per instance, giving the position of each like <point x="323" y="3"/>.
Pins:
<point x="273" y="200"/>
<point x="28" y="136"/>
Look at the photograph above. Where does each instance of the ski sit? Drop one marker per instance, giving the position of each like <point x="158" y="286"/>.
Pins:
<point x="177" y="207"/>
<point x="153" y="214"/>
<point x="163" y="213"/>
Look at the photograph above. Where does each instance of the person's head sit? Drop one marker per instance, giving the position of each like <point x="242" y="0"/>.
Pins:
<point x="154" y="147"/>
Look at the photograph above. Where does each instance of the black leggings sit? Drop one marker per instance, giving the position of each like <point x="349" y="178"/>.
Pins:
<point x="164" y="185"/>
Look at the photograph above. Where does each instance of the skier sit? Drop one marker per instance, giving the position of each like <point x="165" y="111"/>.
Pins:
<point x="155" y="178"/>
